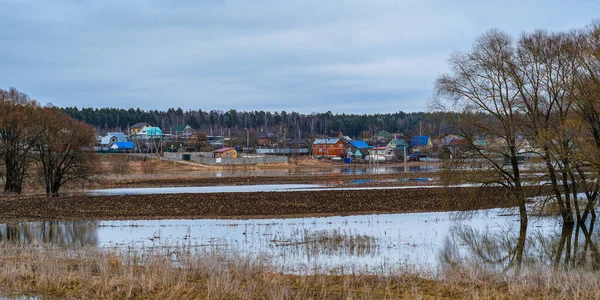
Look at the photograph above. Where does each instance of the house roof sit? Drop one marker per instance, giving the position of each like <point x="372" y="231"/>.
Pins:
<point x="326" y="141"/>
<point x="359" y="144"/>
<point x="384" y="133"/>
<point x="121" y="137"/>
<point x="221" y="150"/>
<point x="399" y="142"/>
<point x="140" y="125"/>
<point x="123" y="145"/>
<point x="458" y="142"/>
<point x="150" y="131"/>
<point x="380" y="148"/>
<point x="180" y="128"/>
<point x="298" y="141"/>
<point x="419" y="140"/>
<point x="334" y="134"/>
<point x="266" y="135"/>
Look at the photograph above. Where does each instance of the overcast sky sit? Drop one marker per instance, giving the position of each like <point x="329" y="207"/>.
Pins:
<point x="344" y="56"/>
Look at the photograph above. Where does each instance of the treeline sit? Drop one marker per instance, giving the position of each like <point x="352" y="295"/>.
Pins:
<point x="57" y="146"/>
<point x="293" y="124"/>
<point x="540" y="94"/>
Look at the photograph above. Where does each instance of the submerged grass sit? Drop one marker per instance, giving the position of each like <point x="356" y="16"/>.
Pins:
<point x="179" y="273"/>
<point x="328" y="242"/>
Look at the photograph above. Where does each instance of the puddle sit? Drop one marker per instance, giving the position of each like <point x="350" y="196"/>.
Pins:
<point x="367" y="242"/>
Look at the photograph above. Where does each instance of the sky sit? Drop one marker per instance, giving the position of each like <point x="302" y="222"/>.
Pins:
<point x="341" y="56"/>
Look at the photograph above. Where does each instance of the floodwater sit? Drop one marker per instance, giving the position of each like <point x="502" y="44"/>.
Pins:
<point x="304" y="245"/>
<point x="326" y="170"/>
<point x="326" y="186"/>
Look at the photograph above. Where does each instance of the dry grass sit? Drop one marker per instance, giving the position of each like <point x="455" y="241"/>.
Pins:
<point x="178" y="273"/>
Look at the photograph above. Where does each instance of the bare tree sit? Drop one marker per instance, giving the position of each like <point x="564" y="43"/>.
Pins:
<point x="66" y="147"/>
<point x="19" y="131"/>
<point x="544" y="75"/>
<point x="481" y="85"/>
<point x="587" y="104"/>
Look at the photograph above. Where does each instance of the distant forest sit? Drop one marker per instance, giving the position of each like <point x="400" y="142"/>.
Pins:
<point x="292" y="124"/>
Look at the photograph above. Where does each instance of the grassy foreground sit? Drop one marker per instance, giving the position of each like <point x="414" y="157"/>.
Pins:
<point x="180" y="274"/>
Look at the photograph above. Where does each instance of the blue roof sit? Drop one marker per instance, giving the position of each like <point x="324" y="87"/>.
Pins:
<point x="419" y="140"/>
<point x="125" y="145"/>
<point x="359" y="144"/>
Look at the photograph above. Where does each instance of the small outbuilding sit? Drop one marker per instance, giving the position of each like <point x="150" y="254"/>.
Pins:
<point x="227" y="152"/>
<point x="122" y="146"/>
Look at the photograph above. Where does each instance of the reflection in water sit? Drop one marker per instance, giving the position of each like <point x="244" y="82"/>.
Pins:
<point x="70" y="234"/>
<point x="491" y="239"/>
<point x="324" y="170"/>
<point x="572" y="246"/>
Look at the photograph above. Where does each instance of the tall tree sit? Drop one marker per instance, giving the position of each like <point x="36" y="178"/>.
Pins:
<point x="480" y="84"/>
<point x="66" y="150"/>
<point x="19" y="131"/>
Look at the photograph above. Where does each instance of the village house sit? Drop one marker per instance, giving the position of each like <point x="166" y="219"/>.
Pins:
<point x="421" y="146"/>
<point x="383" y="136"/>
<point x="227" y="152"/>
<point x="398" y="144"/>
<point x="137" y="127"/>
<point x="149" y="132"/>
<point x="357" y="149"/>
<point x="215" y="141"/>
<point x="111" y="138"/>
<point x="182" y="130"/>
<point x="266" y="139"/>
<point x="329" y="147"/>
<point x="299" y="143"/>
<point x="455" y="147"/>
<point x="384" y="151"/>
<point x="122" y="147"/>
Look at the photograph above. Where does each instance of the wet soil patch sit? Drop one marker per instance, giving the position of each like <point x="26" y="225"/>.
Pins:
<point x="252" y="205"/>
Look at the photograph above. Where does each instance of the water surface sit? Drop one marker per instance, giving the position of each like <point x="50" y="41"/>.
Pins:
<point x="367" y="242"/>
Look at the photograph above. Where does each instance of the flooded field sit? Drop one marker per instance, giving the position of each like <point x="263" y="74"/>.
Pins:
<point x="303" y="245"/>
<point x="326" y="170"/>
<point x="325" y="186"/>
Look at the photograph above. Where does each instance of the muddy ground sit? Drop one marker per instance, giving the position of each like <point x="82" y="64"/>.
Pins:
<point x="251" y="205"/>
<point x="330" y="180"/>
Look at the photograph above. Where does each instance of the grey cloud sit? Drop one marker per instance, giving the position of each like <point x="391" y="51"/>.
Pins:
<point x="251" y="55"/>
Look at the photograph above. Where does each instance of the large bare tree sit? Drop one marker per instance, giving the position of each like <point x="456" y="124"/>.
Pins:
<point x="480" y="87"/>
<point x="65" y="150"/>
<point x="19" y="132"/>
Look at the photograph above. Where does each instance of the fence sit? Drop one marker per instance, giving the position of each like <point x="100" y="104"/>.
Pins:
<point x="283" y="151"/>
<point x="199" y="157"/>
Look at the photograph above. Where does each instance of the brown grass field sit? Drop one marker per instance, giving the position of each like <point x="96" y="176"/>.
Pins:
<point x="179" y="274"/>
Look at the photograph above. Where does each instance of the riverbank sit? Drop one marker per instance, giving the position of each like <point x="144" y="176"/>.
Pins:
<point x="253" y="205"/>
<point x="102" y="274"/>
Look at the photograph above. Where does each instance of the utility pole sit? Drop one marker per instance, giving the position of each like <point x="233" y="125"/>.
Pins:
<point x="247" y="139"/>
<point x="404" y="150"/>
